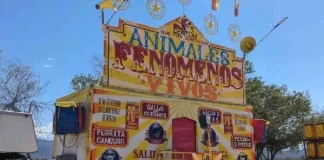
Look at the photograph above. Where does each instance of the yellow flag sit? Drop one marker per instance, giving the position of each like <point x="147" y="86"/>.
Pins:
<point x="105" y="4"/>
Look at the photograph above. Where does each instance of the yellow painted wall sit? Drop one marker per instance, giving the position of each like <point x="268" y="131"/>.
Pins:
<point x="131" y="144"/>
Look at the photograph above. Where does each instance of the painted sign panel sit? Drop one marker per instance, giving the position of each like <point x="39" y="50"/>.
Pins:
<point x="132" y="116"/>
<point x="228" y="123"/>
<point x="111" y="137"/>
<point x="242" y="142"/>
<point x="174" y="59"/>
<point x="214" y="114"/>
<point x="154" y="127"/>
<point x="155" y="110"/>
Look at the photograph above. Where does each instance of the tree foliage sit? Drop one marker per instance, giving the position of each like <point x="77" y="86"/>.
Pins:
<point x="317" y="116"/>
<point x="285" y="110"/>
<point x="97" y="65"/>
<point x="249" y="68"/>
<point x="20" y="87"/>
<point x="82" y="81"/>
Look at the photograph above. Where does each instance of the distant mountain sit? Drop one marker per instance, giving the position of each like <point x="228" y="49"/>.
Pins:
<point x="291" y="154"/>
<point x="44" y="149"/>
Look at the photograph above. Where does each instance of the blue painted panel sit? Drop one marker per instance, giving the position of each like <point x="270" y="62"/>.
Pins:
<point x="67" y="120"/>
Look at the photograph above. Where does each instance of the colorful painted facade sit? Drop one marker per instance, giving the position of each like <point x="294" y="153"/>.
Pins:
<point x="136" y="126"/>
<point x="157" y="81"/>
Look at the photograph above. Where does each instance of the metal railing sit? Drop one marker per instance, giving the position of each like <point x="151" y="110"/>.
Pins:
<point x="173" y="155"/>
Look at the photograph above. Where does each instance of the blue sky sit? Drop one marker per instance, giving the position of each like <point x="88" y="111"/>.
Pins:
<point x="59" y="38"/>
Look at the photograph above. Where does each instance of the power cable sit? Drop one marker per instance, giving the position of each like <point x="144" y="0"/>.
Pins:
<point x="274" y="27"/>
<point x="115" y="11"/>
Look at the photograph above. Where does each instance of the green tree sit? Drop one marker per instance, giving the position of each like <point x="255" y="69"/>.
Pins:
<point x="317" y="116"/>
<point x="82" y="81"/>
<point x="249" y="68"/>
<point x="285" y="110"/>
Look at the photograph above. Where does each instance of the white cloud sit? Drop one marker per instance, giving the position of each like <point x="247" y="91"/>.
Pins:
<point x="50" y="59"/>
<point x="47" y="66"/>
<point x="45" y="132"/>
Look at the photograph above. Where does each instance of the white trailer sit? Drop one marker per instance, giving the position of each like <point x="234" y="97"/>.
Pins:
<point x="17" y="133"/>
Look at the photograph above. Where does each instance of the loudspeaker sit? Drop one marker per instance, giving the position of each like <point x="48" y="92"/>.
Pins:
<point x="247" y="44"/>
<point x="105" y="4"/>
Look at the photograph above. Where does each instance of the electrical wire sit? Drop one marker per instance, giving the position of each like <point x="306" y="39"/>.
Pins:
<point x="274" y="27"/>
<point x="115" y="11"/>
<point x="74" y="140"/>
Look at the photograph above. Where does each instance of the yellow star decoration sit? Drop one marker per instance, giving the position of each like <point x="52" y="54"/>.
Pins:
<point x="156" y="7"/>
<point x="234" y="33"/>
<point x="119" y="0"/>
<point x="210" y="24"/>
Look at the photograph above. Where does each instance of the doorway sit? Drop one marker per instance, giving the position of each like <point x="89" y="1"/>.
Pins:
<point x="184" y="136"/>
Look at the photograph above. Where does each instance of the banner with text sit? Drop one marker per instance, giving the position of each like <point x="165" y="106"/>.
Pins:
<point x="174" y="59"/>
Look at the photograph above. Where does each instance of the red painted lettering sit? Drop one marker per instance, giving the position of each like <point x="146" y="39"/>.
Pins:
<point x="225" y="75"/>
<point x="154" y="84"/>
<point x="122" y="49"/>
<point x="170" y="65"/>
<point x="186" y="68"/>
<point x="138" y="59"/>
<point x="237" y="75"/>
<point x="197" y="90"/>
<point x="158" y="60"/>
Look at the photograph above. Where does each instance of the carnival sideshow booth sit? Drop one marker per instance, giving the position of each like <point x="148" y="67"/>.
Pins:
<point x="167" y="92"/>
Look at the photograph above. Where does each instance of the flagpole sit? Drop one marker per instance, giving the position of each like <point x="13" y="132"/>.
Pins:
<point x="102" y="17"/>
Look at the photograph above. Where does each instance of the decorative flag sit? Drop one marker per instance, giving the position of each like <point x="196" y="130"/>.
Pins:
<point x="236" y="8"/>
<point x="215" y="4"/>
<point x="105" y="4"/>
<point x="259" y="129"/>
